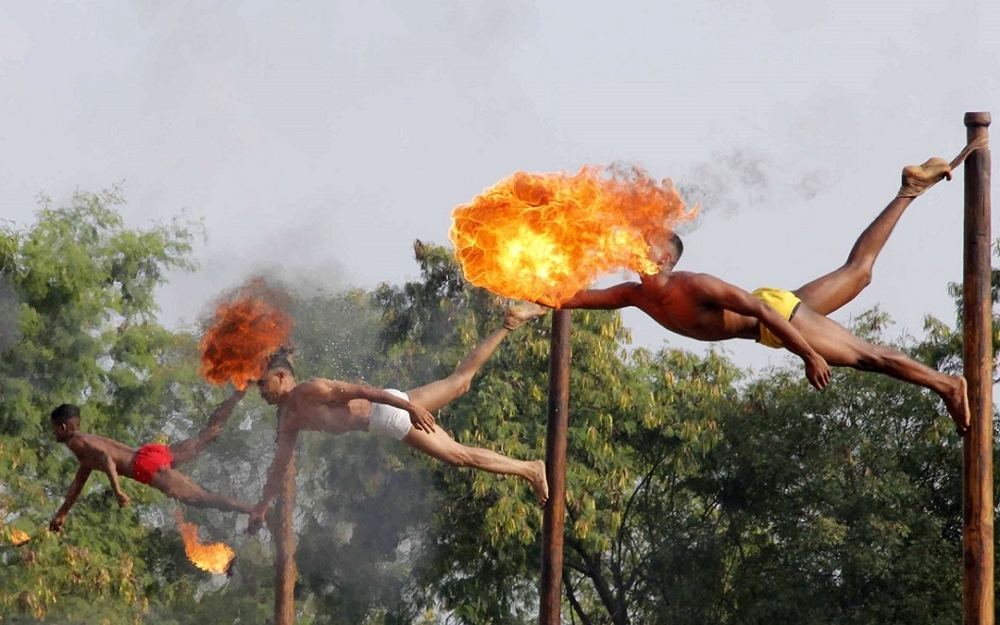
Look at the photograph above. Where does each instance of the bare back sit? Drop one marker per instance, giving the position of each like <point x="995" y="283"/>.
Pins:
<point x="309" y="406"/>
<point x="90" y="451"/>
<point x="689" y="304"/>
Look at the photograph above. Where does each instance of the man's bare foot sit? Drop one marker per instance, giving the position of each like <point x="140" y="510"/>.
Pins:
<point x="919" y="178"/>
<point x="957" y="401"/>
<point x="539" y="481"/>
<point x="516" y="315"/>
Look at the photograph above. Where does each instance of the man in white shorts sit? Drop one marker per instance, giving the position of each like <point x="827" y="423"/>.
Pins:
<point x="337" y="407"/>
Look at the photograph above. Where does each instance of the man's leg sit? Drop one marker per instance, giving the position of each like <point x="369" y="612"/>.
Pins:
<point x="840" y="348"/>
<point x="183" y="451"/>
<point x="828" y="293"/>
<point x="440" y="445"/>
<point x="176" y="485"/>
<point x="436" y="394"/>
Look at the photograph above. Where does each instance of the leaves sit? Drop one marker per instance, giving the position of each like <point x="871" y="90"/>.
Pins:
<point x="697" y="493"/>
<point x="84" y="285"/>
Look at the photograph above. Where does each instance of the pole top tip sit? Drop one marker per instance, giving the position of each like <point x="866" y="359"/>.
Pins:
<point x="977" y="119"/>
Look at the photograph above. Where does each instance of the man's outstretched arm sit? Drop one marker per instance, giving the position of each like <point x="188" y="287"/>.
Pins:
<point x="619" y="296"/>
<point x="739" y="301"/>
<point x="71" y="496"/>
<point x="275" y="477"/>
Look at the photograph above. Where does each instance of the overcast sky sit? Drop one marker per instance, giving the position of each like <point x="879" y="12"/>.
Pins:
<point x="324" y="137"/>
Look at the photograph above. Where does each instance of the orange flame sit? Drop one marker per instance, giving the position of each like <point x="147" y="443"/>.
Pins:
<point x="215" y="558"/>
<point x="543" y="237"/>
<point x="244" y="332"/>
<point x="18" y="537"/>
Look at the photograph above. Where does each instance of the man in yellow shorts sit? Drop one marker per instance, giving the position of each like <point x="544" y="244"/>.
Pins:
<point x="704" y="307"/>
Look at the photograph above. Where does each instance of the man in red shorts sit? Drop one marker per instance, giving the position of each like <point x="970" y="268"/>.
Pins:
<point x="152" y="464"/>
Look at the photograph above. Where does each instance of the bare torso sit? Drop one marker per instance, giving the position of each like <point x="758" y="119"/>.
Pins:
<point x="90" y="449"/>
<point x="301" y="410"/>
<point x="680" y="302"/>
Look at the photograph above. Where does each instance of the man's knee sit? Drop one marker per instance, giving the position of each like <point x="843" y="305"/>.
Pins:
<point x="458" y="457"/>
<point x="865" y="276"/>
<point x="860" y="272"/>
<point x="463" y="385"/>
<point x="870" y="359"/>
<point x="459" y="384"/>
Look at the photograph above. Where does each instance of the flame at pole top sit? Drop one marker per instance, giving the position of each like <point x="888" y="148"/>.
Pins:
<point x="214" y="558"/>
<point x="244" y="332"/>
<point x="543" y="237"/>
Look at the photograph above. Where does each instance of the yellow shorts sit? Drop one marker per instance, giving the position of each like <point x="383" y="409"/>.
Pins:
<point x="782" y="301"/>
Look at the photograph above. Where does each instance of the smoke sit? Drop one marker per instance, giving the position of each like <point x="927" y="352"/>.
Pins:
<point x="745" y="177"/>
<point x="10" y="328"/>
<point x="813" y="183"/>
<point x="337" y="336"/>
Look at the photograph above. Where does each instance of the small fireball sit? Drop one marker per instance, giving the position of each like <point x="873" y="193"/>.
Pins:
<point x="214" y="558"/>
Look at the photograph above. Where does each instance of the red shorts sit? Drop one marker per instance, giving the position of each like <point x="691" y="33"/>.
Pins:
<point x="148" y="460"/>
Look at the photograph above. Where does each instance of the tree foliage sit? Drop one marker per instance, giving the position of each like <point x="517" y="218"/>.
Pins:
<point x="697" y="492"/>
<point x="81" y="285"/>
<point x="694" y="493"/>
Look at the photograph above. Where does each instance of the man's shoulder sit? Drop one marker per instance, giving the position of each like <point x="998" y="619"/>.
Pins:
<point x="313" y="389"/>
<point x="84" y="446"/>
<point x="691" y="279"/>
<point x="321" y="381"/>
<point x="689" y="286"/>
<point x="675" y="280"/>
<point x="692" y="275"/>
<point x="87" y="439"/>
<point x="313" y="384"/>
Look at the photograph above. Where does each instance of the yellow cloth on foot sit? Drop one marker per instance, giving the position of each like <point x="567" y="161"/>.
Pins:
<point x="784" y="302"/>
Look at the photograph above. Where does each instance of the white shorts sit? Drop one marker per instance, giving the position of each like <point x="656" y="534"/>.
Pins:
<point x="386" y="420"/>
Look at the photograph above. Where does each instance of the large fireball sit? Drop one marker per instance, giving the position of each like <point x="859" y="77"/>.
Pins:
<point x="543" y="237"/>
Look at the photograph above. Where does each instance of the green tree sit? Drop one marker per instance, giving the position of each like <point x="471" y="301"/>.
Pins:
<point x="85" y="318"/>
<point x="695" y="494"/>
<point x="837" y="507"/>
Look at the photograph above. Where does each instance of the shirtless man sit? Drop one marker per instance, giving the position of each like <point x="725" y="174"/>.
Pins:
<point x="704" y="307"/>
<point x="337" y="407"/>
<point x="152" y="464"/>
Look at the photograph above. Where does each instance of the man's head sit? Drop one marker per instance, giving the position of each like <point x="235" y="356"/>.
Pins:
<point x="666" y="250"/>
<point x="65" y="421"/>
<point x="279" y="376"/>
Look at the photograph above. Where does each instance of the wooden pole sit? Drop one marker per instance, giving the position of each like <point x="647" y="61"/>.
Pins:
<point x="977" y="358"/>
<point x="285" y="573"/>
<point x="555" y="469"/>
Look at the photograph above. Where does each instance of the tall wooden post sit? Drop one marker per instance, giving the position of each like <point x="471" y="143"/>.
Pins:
<point x="977" y="533"/>
<point x="555" y="469"/>
<point x="285" y="573"/>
